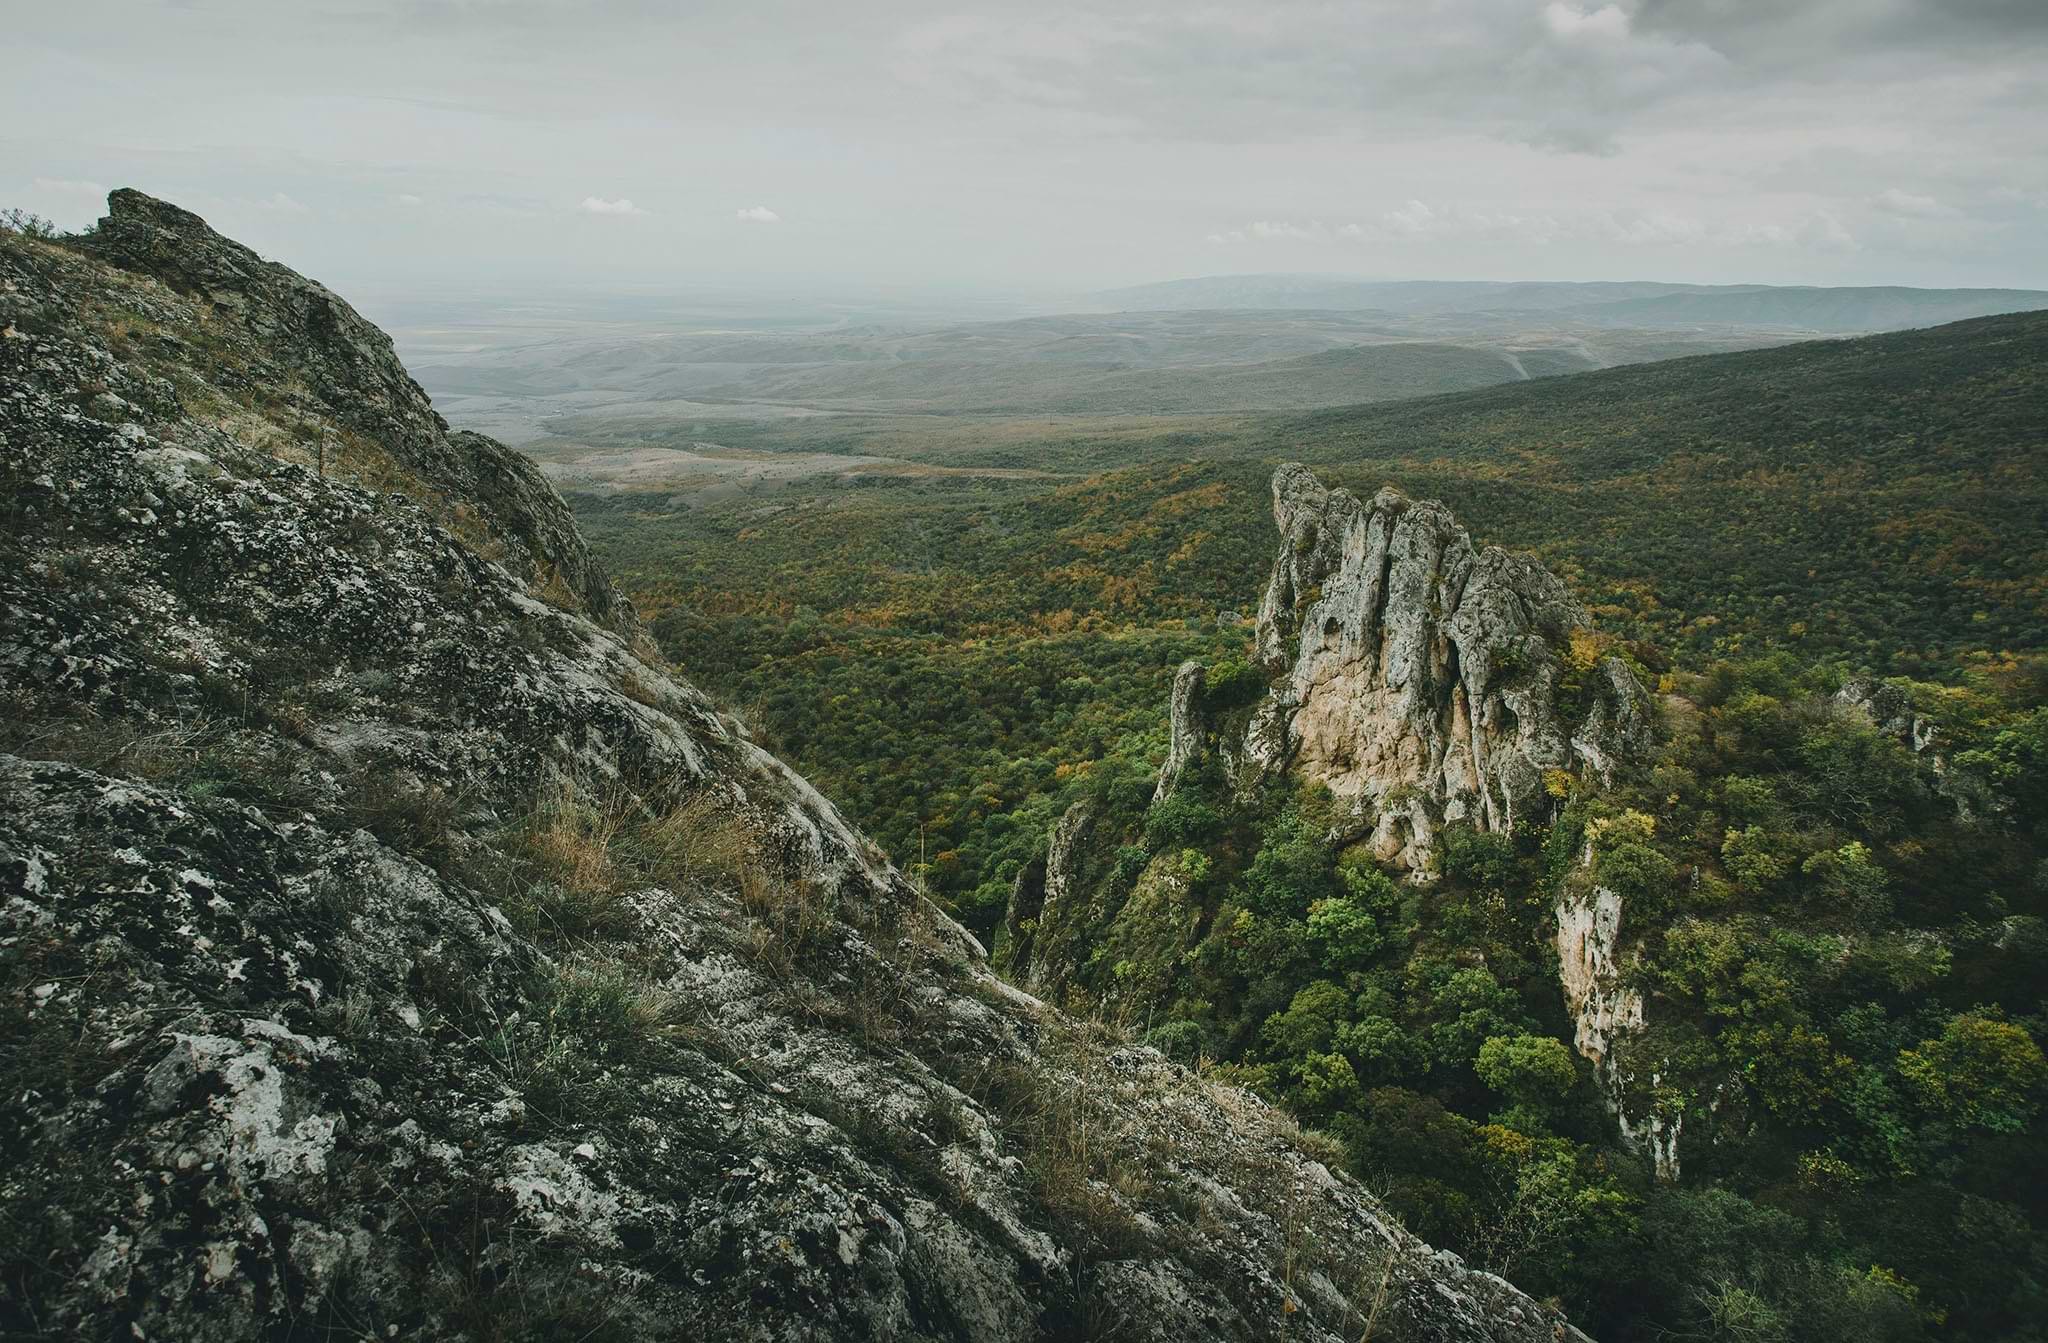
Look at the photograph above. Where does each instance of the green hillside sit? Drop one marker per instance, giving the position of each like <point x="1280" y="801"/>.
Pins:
<point x="1353" y="374"/>
<point x="1879" y="499"/>
<point x="957" y="658"/>
<point x="1646" y="304"/>
<point x="934" y="649"/>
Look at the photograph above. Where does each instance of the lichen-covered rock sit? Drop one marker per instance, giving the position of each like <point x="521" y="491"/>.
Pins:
<point x="1423" y="681"/>
<point x="1589" y="966"/>
<point x="1419" y="676"/>
<point x="390" y="948"/>
<point x="287" y="339"/>
<point x="1606" y="1012"/>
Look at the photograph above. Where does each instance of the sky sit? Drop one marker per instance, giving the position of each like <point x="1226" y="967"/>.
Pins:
<point x="526" y="146"/>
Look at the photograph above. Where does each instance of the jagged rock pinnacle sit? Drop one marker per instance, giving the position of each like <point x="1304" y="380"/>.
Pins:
<point x="1420" y="676"/>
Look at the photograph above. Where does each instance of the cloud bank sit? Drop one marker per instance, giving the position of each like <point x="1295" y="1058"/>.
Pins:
<point x="1062" y="146"/>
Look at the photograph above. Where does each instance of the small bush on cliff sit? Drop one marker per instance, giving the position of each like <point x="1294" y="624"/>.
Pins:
<point x="1533" y="1070"/>
<point x="1180" y="821"/>
<point x="29" y="225"/>
<point x="1233" y="683"/>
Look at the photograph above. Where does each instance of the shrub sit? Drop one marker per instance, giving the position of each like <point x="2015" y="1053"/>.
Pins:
<point x="1325" y="1084"/>
<point x="1849" y="879"/>
<point x="1180" y="820"/>
<point x="1476" y="857"/>
<point x="1533" y="1070"/>
<point x="1309" y="1025"/>
<point x="1755" y="857"/>
<point x="1748" y="799"/>
<point x="1378" y="1046"/>
<point x="1344" y="934"/>
<point x="29" y="225"/>
<point x="1233" y="683"/>
<point x="1181" y="1041"/>
<point x="1291" y="871"/>
<point x="1635" y="871"/>
<point x="1979" y="1073"/>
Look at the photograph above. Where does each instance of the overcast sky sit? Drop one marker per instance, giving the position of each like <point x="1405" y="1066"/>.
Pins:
<point x="506" y="145"/>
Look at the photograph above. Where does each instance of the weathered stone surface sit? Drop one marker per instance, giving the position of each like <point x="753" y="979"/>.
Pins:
<point x="1048" y="905"/>
<point x="1188" y="729"/>
<point x="1419" y="675"/>
<point x="277" y="1059"/>
<point x="291" y="338"/>
<point x="1890" y="710"/>
<point x="1606" y="1011"/>
<point x="1588" y="958"/>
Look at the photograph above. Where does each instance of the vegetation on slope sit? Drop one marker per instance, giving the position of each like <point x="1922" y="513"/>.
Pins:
<point x="1844" y="939"/>
<point x="934" y="651"/>
<point x="1843" y="951"/>
<point x="392" y="950"/>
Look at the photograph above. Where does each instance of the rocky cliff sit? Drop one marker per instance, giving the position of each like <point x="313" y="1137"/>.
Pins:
<point x="1425" y="681"/>
<point x="1421" y="680"/>
<point x="390" y="946"/>
<point x="1419" y="677"/>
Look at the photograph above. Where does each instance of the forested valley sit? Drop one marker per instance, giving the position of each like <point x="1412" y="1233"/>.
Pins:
<point x="1845" y="933"/>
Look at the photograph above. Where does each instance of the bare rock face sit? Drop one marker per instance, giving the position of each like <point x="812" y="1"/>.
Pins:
<point x="1043" y="919"/>
<point x="390" y="946"/>
<point x="1419" y="675"/>
<point x="1605" y="1011"/>
<point x="1188" y="729"/>
<point x="1588" y="947"/>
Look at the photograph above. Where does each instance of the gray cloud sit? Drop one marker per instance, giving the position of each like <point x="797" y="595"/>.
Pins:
<point x="1839" y="30"/>
<point x="1058" y="145"/>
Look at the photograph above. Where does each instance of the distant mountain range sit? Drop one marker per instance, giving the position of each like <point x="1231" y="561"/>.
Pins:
<point x="1130" y="363"/>
<point x="1638" y="304"/>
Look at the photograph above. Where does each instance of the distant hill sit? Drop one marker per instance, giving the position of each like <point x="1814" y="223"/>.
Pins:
<point x="1354" y="374"/>
<point x="1881" y="496"/>
<point x="1876" y="308"/>
<point x="1643" y="304"/>
<point x="1338" y="294"/>
<point x="1876" y="499"/>
<point x="1162" y="362"/>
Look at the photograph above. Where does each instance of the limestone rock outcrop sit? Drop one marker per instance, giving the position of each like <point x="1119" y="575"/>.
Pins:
<point x="1605" y="1010"/>
<point x="1187" y="729"/>
<point x="1042" y="919"/>
<point x="391" y="946"/>
<point x="1418" y="676"/>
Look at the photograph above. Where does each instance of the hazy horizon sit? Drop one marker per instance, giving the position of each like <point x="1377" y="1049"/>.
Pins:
<point x="521" y="147"/>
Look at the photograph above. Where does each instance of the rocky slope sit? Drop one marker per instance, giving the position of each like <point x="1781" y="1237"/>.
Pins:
<point x="390" y="947"/>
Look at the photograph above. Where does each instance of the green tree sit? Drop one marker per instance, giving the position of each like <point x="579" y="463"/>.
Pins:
<point x="1849" y="879"/>
<point x="1534" y="1070"/>
<point x="1755" y="857"/>
<point x="1344" y="934"/>
<point x="1309" y="1024"/>
<point x="1325" y="1084"/>
<point x="1979" y="1073"/>
<point x="1292" y="870"/>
